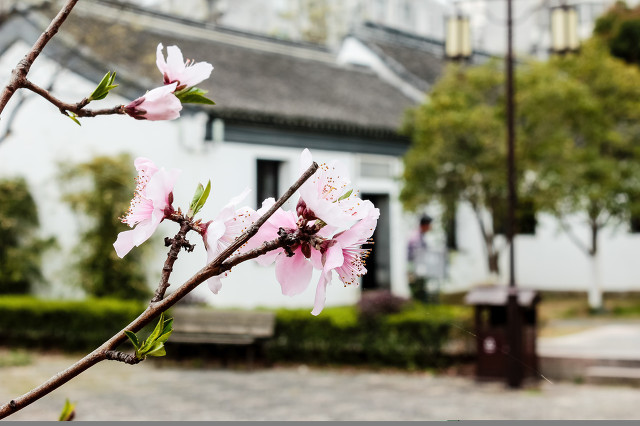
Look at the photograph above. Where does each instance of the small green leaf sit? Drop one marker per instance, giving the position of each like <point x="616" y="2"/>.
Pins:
<point x="106" y="84"/>
<point x="346" y="195"/>
<point x="68" y="411"/>
<point x="134" y="339"/>
<point x="73" y="116"/>
<point x="203" y="198"/>
<point x="157" y="350"/>
<point x="157" y="331"/>
<point x="193" y="95"/>
<point x="196" y="196"/>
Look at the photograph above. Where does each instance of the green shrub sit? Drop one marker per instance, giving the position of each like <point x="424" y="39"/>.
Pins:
<point x="20" y="249"/>
<point x="100" y="190"/>
<point x="67" y="325"/>
<point x="412" y="338"/>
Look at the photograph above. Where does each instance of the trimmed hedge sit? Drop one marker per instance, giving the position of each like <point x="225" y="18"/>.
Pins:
<point x="412" y="338"/>
<point x="69" y="325"/>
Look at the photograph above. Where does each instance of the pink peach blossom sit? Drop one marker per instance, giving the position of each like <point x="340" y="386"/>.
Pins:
<point x="157" y="104"/>
<point x="323" y="194"/>
<point x="151" y="202"/>
<point x="344" y="254"/>
<point x="292" y="272"/>
<point x="176" y="70"/>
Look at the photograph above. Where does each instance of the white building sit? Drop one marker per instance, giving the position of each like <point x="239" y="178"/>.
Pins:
<point x="274" y="98"/>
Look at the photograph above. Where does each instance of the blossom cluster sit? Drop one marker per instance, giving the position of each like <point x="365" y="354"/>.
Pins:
<point x="179" y="76"/>
<point x="329" y="227"/>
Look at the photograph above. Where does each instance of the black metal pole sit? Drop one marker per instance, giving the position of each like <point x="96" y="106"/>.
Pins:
<point x="514" y="367"/>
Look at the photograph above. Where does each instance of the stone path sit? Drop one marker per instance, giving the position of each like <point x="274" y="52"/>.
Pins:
<point x="113" y="391"/>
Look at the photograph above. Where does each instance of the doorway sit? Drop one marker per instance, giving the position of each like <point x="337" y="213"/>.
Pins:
<point x="378" y="276"/>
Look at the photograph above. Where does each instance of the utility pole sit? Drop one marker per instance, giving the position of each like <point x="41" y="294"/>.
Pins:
<point x="514" y="338"/>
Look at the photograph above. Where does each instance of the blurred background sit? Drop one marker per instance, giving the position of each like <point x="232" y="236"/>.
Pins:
<point x="410" y="96"/>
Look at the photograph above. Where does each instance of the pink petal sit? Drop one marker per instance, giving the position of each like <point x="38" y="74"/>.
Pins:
<point x="124" y="243"/>
<point x="160" y="62"/>
<point x="161" y="104"/>
<point x="293" y="273"/>
<point x="361" y="231"/>
<point x="333" y="257"/>
<point x="321" y="292"/>
<point x="214" y="284"/>
<point x="145" y="166"/>
<point x="175" y="62"/>
<point x="196" y="73"/>
<point x="160" y="186"/>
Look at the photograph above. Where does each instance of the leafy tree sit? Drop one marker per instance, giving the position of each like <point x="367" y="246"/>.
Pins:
<point x="619" y="27"/>
<point x="578" y="144"/>
<point x="20" y="248"/>
<point x="102" y="273"/>
<point x="459" y="150"/>
<point x="600" y="179"/>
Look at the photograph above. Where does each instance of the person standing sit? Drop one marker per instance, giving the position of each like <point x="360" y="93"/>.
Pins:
<point x="417" y="260"/>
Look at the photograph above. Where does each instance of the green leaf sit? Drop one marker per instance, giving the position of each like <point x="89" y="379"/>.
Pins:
<point x="74" y="117"/>
<point x="346" y="195"/>
<point x="193" y="95"/>
<point x="157" y="331"/>
<point x="157" y="350"/>
<point x="106" y="84"/>
<point x="134" y="339"/>
<point x="203" y="198"/>
<point x="194" y="200"/>
<point x="68" y="411"/>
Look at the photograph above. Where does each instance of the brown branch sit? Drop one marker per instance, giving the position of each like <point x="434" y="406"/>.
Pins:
<point x="176" y="243"/>
<point x="77" y="108"/>
<point x="19" y="73"/>
<point x="130" y="359"/>
<point x="216" y="267"/>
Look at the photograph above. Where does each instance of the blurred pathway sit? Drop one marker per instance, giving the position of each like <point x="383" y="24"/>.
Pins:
<point x="113" y="391"/>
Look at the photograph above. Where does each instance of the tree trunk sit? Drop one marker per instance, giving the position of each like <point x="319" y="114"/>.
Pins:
<point x="595" y="291"/>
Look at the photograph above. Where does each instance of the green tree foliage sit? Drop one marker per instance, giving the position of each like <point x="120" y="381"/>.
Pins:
<point x="620" y="29"/>
<point x="598" y="173"/>
<point x="20" y="249"/>
<point x="578" y="141"/>
<point x="105" y="199"/>
<point x="459" y="148"/>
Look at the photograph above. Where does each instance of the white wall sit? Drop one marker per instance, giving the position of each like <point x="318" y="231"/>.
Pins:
<point x="548" y="260"/>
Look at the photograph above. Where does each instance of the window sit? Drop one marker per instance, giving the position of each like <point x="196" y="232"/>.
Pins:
<point x="268" y="180"/>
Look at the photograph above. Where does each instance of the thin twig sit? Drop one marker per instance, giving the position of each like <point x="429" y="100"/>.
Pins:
<point x="177" y="243"/>
<point x="77" y="108"/>
<point x="216" y="267"/>
<point x="19" y="73"/>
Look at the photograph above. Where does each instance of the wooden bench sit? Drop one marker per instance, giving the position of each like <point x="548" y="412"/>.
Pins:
<point x="209" y="326"/>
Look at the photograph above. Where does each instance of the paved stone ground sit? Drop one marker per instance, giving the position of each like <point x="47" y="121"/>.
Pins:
<point x="113" y="391"/>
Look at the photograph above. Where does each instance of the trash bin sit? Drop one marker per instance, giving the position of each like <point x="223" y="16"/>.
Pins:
<point x="490" y="306"/>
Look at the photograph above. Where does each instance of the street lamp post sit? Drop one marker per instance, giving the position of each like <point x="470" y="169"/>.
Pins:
<point x="514" y="339"/>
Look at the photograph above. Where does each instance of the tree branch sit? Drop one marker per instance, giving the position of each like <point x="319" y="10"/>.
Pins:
<point x="77" y="108"/>
<point x="177" y="243"/>
<point x="216" y="267"/>
<point x="573" y="237"/>
<point x="130" y="359"/>
<point x="19" y="74"/>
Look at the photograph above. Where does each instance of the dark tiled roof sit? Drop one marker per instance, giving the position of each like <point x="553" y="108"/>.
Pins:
<point x="416" y="59"/>
<point x="253" y="75"/>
